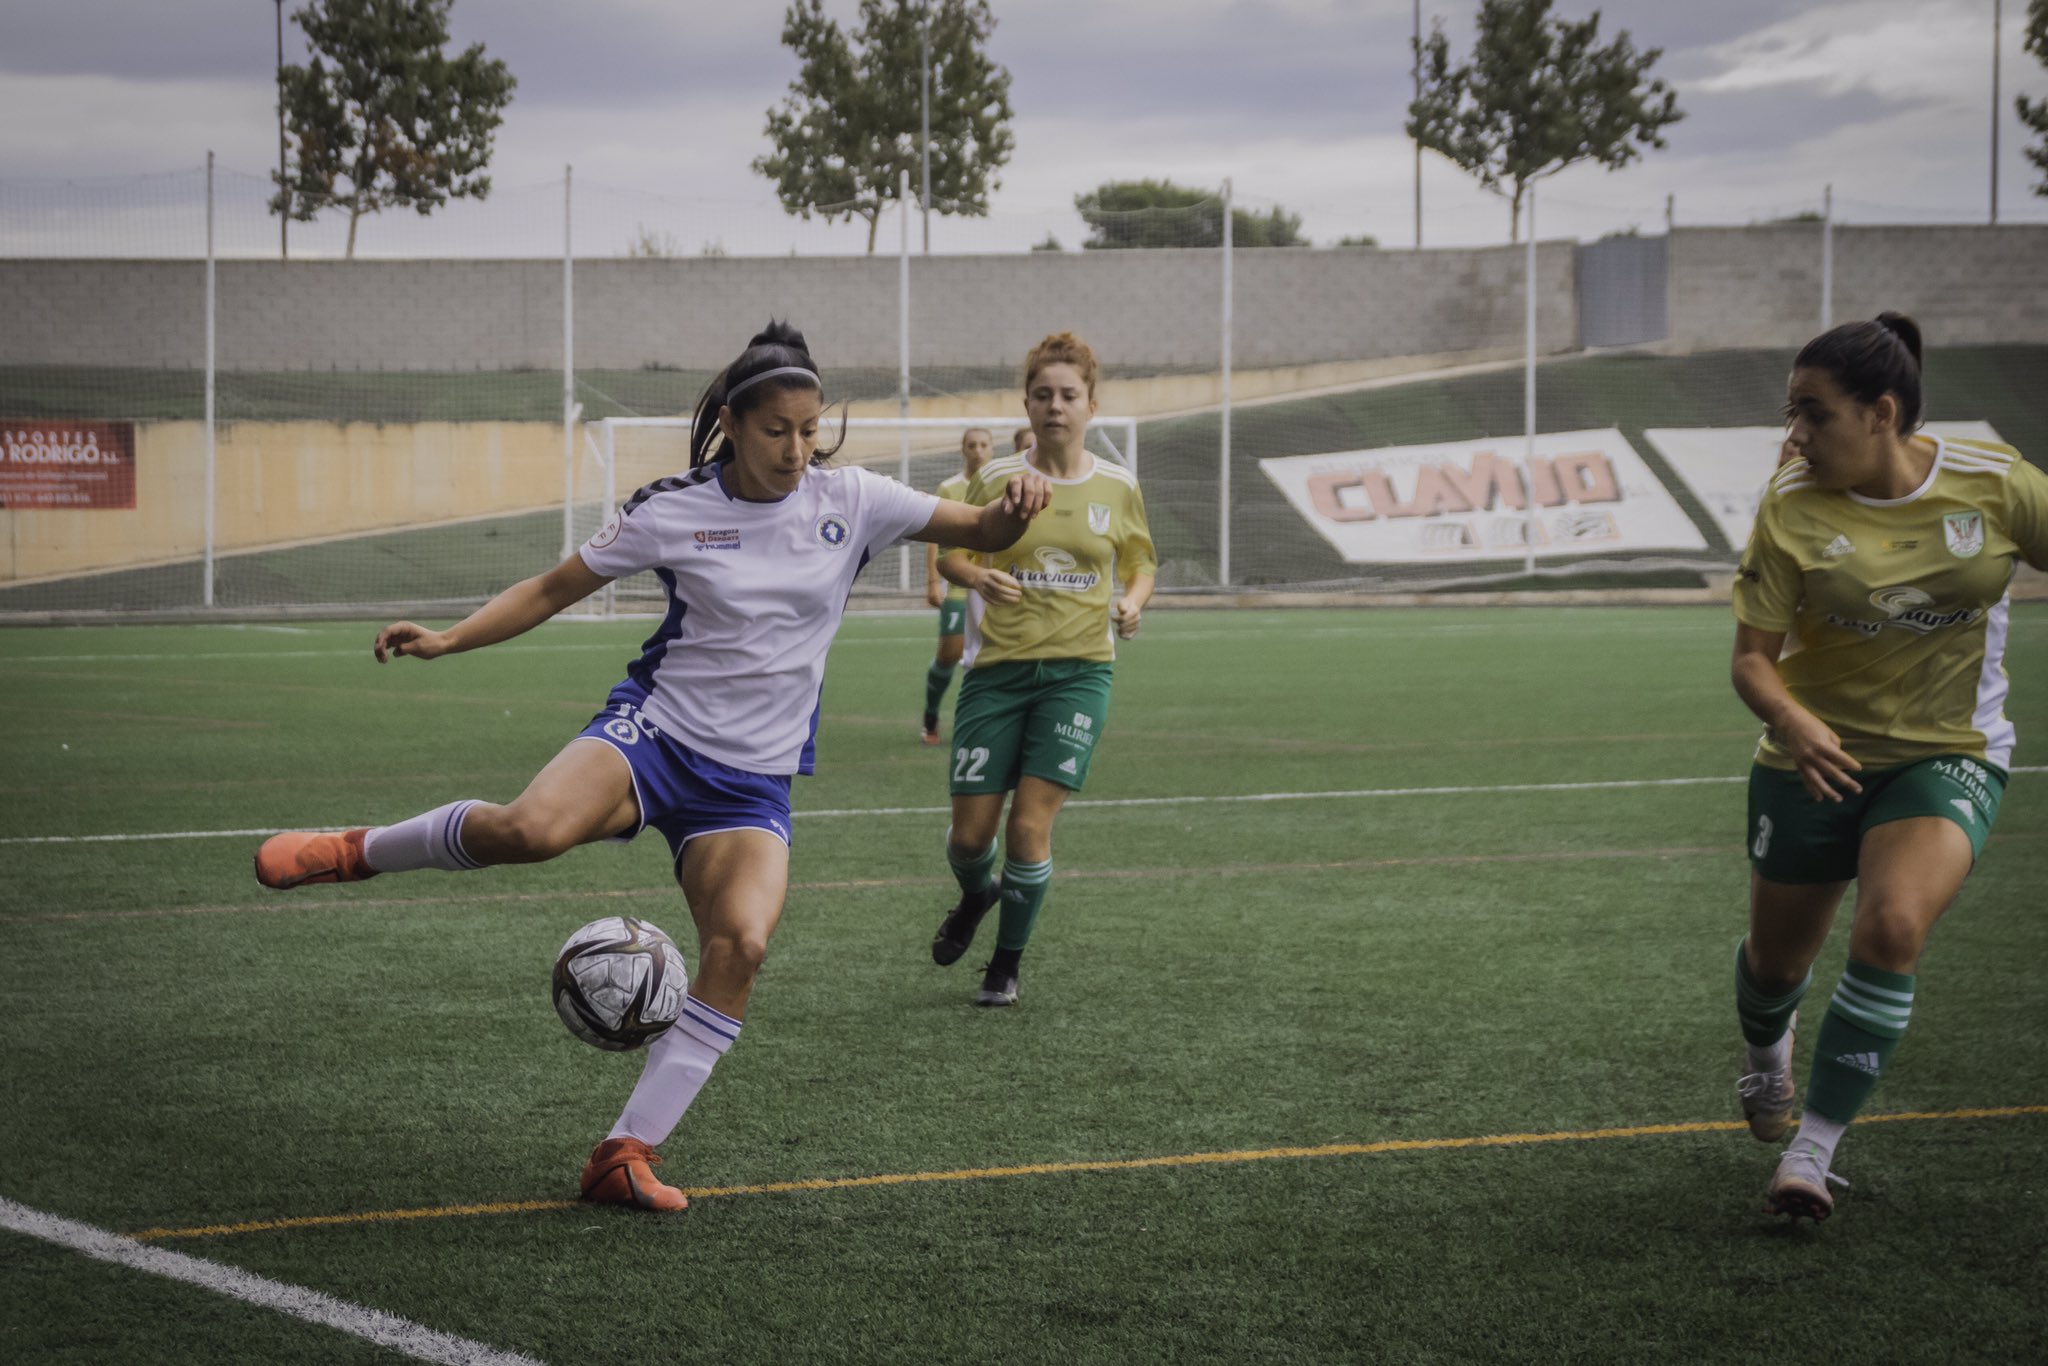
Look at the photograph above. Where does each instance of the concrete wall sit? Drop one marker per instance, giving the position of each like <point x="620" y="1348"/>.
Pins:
<point x="281" y="482"/>
<point x="1140" y="309"/>
<point x="1967" y="286"/>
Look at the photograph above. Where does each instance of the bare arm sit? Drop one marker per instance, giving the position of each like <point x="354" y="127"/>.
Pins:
<point x="1128" y="608"/>
<point x="518" y="609"/>
<point x="1823" y="764"/>
<point x="934" y="591"/>
<point x="994" y="527"/>
<point x="993" y="584"/>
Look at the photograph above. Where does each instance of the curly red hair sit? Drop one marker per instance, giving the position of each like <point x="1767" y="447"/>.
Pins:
<point x="1063" y="348"/>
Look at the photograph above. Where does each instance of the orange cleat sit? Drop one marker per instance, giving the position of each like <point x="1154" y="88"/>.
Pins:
<point x="298" y="857"/>
<point x="620" y="1172"/>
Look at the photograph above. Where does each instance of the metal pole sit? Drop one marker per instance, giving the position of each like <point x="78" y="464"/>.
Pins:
<point x="206" y="570"/>
<point x="1670" y="213"/>
<point x="569" y="374"/>
<point x="283" y="219"/>
<point x="1529" y="395"/>
<point x="924" y="45"/>
<point x="1827" y="259"/>
<point x="903" y="355"/>
<point x="1997" y="22"/>
<point x="1418" y="142"/>
<point x="1223" y="454"/>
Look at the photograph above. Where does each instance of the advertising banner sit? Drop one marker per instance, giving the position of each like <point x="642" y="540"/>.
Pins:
<point x="1464" y="500"/>
<point x="1727" y="467"/>
<point x="65" y="464"/>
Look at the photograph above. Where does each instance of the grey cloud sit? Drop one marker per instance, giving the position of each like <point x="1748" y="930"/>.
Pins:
<point x="1774" y="118"/>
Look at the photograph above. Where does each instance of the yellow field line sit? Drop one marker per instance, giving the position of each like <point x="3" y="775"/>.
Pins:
<point x="837" y="1183"/>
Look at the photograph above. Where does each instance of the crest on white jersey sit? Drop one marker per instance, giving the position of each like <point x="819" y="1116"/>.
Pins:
<point x="1098" y="518"/>
<point x="832" y="531"/>
<point x="606" y="534"/>
<point x="1964" y="532"/>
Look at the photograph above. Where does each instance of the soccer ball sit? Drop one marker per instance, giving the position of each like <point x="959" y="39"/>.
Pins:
<point x="619" y="983"/>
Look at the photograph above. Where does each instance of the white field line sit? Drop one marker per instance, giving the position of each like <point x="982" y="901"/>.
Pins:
<point x="371" y="1325"/>
<point x="1350" y="794"/>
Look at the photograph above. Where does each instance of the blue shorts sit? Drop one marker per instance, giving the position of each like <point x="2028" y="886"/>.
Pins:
<point x="682" y="793"/>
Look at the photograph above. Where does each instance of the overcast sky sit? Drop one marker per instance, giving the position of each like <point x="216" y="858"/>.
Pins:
<point x="660" y="104"/>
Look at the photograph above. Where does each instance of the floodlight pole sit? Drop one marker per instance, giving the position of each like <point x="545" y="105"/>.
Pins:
<point x="1997" y="22"/>
<point x="1529" y="395"/>
<point x="1417" y="72"/>
<point x="284" y="217"/>
<point x="924" y="46"/>
<point x="1223" y="458"/>
<point x="569" y="372"/>
<point x="1827" y="259"/>
<point x="206" y="572"/>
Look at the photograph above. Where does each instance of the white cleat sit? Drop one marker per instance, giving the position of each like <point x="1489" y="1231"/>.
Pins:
<point x="1799" y="1189"/>
<point x="1769" y="1099"/>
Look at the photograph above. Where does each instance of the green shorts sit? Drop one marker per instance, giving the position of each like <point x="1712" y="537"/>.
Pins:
<point x="953" y="616"/>
<point x="1036" y="716"/>
<point x="1795" y="839"/>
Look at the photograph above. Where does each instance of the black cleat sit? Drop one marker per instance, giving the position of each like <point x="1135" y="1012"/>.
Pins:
<point x="956" y="931"/>
<point x="998" y="987"/>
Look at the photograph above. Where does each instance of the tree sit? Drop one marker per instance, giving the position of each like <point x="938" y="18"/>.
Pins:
<point x="2034" y="113"/>
<point x="1537" y="96"/>
<point x="852" y="123"/>
<point x="382" y="117"/>
<point x="1158" y="213"/>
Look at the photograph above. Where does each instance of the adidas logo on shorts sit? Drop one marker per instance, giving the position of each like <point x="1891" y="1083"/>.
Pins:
<point x="1068" y="766"/>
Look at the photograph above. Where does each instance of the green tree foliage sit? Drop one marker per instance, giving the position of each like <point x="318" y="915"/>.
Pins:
<point x="2034" y="113"/>
<point x="1539" y="94"/>
<point x="1159" y="213"/>
<point x="382" y="117"/>
<point x="852" y="123"/>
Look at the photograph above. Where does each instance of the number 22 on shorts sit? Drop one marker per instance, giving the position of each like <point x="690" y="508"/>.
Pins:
<point x="968" y="764"/>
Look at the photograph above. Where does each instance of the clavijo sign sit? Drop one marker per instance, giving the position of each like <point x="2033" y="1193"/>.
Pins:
<point x="1468" y="500"/>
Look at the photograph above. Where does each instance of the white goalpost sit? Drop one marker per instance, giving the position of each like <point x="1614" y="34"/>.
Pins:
<point x="620" y="454"/>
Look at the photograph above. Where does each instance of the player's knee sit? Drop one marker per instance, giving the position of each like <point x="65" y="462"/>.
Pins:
<point x="733" y="958"/>
<point x="531" y="836"/>
<point x="949" y="650"/>
<point x="1028" y="838"/>
<point x="1889" y="934"/>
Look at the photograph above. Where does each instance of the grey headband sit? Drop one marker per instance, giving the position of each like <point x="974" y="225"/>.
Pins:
<point x="751" y="381"/>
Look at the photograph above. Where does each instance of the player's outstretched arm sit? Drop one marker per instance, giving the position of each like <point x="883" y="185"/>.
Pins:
<point x="1823" y="764"/>
<point x="994" y="527"/>
<point x="518" y="609"/>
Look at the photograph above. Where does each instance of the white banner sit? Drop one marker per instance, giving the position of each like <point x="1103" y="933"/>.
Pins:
<point x="1727" y="467"/>
<point x="1463" y="500"/>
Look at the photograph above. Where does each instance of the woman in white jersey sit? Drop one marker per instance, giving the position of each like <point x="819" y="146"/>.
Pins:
<point x="1040" y="641"/>
<point x="1886" y="748"/>
<point x="757" y="548"/>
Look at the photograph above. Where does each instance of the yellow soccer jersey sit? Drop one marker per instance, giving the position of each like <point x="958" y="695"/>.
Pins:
<point x="955" y="488"/>
<point x="1092" y="532"/>
<point x="1899" y="605"/>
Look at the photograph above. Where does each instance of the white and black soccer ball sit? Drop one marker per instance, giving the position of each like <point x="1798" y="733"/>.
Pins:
<point x="619" y="983"/>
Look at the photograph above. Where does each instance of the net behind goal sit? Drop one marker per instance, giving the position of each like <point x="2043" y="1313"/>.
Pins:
<point x="619" y="455"/>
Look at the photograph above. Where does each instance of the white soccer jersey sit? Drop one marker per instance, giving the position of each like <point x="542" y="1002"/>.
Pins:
<point x="755" y="594"/>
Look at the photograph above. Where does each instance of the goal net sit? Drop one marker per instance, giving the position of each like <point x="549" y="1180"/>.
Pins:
<point x="621" y="454"/>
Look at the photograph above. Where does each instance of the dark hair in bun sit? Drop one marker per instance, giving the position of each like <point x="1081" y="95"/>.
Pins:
<point x="750" y="378"/>
<point x="1872" y="359"/>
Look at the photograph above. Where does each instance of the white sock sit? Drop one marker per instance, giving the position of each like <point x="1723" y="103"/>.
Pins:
<point x="678" y="1065"/>
<point x="432" y="840"/>
<point x="1822" y="1132"/>
<point x="1770" y="1057"/>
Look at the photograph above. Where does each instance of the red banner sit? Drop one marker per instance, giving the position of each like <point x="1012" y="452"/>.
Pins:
<point x="63" y="464"/>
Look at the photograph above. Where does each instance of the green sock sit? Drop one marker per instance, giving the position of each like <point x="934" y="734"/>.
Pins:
<point x="1865" y="1021"/>
<point x="1023" y="894"/>
<point x="1764" y="1017"/>
<point x="971" y="871"/>
<point x="936" y="680"/>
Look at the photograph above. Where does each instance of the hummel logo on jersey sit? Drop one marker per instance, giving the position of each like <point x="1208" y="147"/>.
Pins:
<point x="1838" y="547"/>
<point x="1068" y="766"/>
<point x="1866" y="1063"/>
<point x="1969" y="811"/>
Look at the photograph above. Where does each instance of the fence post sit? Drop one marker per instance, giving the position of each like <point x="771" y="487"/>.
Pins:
<point x="1529" y="397"/>
<point x="903" y="355"/>
<point x="568" y="375"/>
<point x="206" y="572"/>
<point x="1827" y="260"/>
<point x="1223" y="470"/>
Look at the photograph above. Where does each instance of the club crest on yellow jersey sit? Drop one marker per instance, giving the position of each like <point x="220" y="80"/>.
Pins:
<point x="1098" y="518"/>
<point x="1964" y="532"/>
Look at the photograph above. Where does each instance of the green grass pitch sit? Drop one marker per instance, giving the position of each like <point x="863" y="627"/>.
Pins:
<point x="184" y="1049"/>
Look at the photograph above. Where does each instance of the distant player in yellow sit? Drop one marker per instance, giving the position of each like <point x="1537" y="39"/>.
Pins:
<point x="977" y="446"/>
<point x="1020" y="441"/>
<point x="1886" y="747"/>
<point x="1041" y="635"/>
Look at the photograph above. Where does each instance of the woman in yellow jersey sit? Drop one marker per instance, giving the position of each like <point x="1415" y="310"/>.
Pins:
<point x="1041" y="633"/>
<point x="977" y="445"/>
<point x="1886" y="748"/>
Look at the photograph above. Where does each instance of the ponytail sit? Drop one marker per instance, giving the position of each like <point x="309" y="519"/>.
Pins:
<point x="1871" y="359"/>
